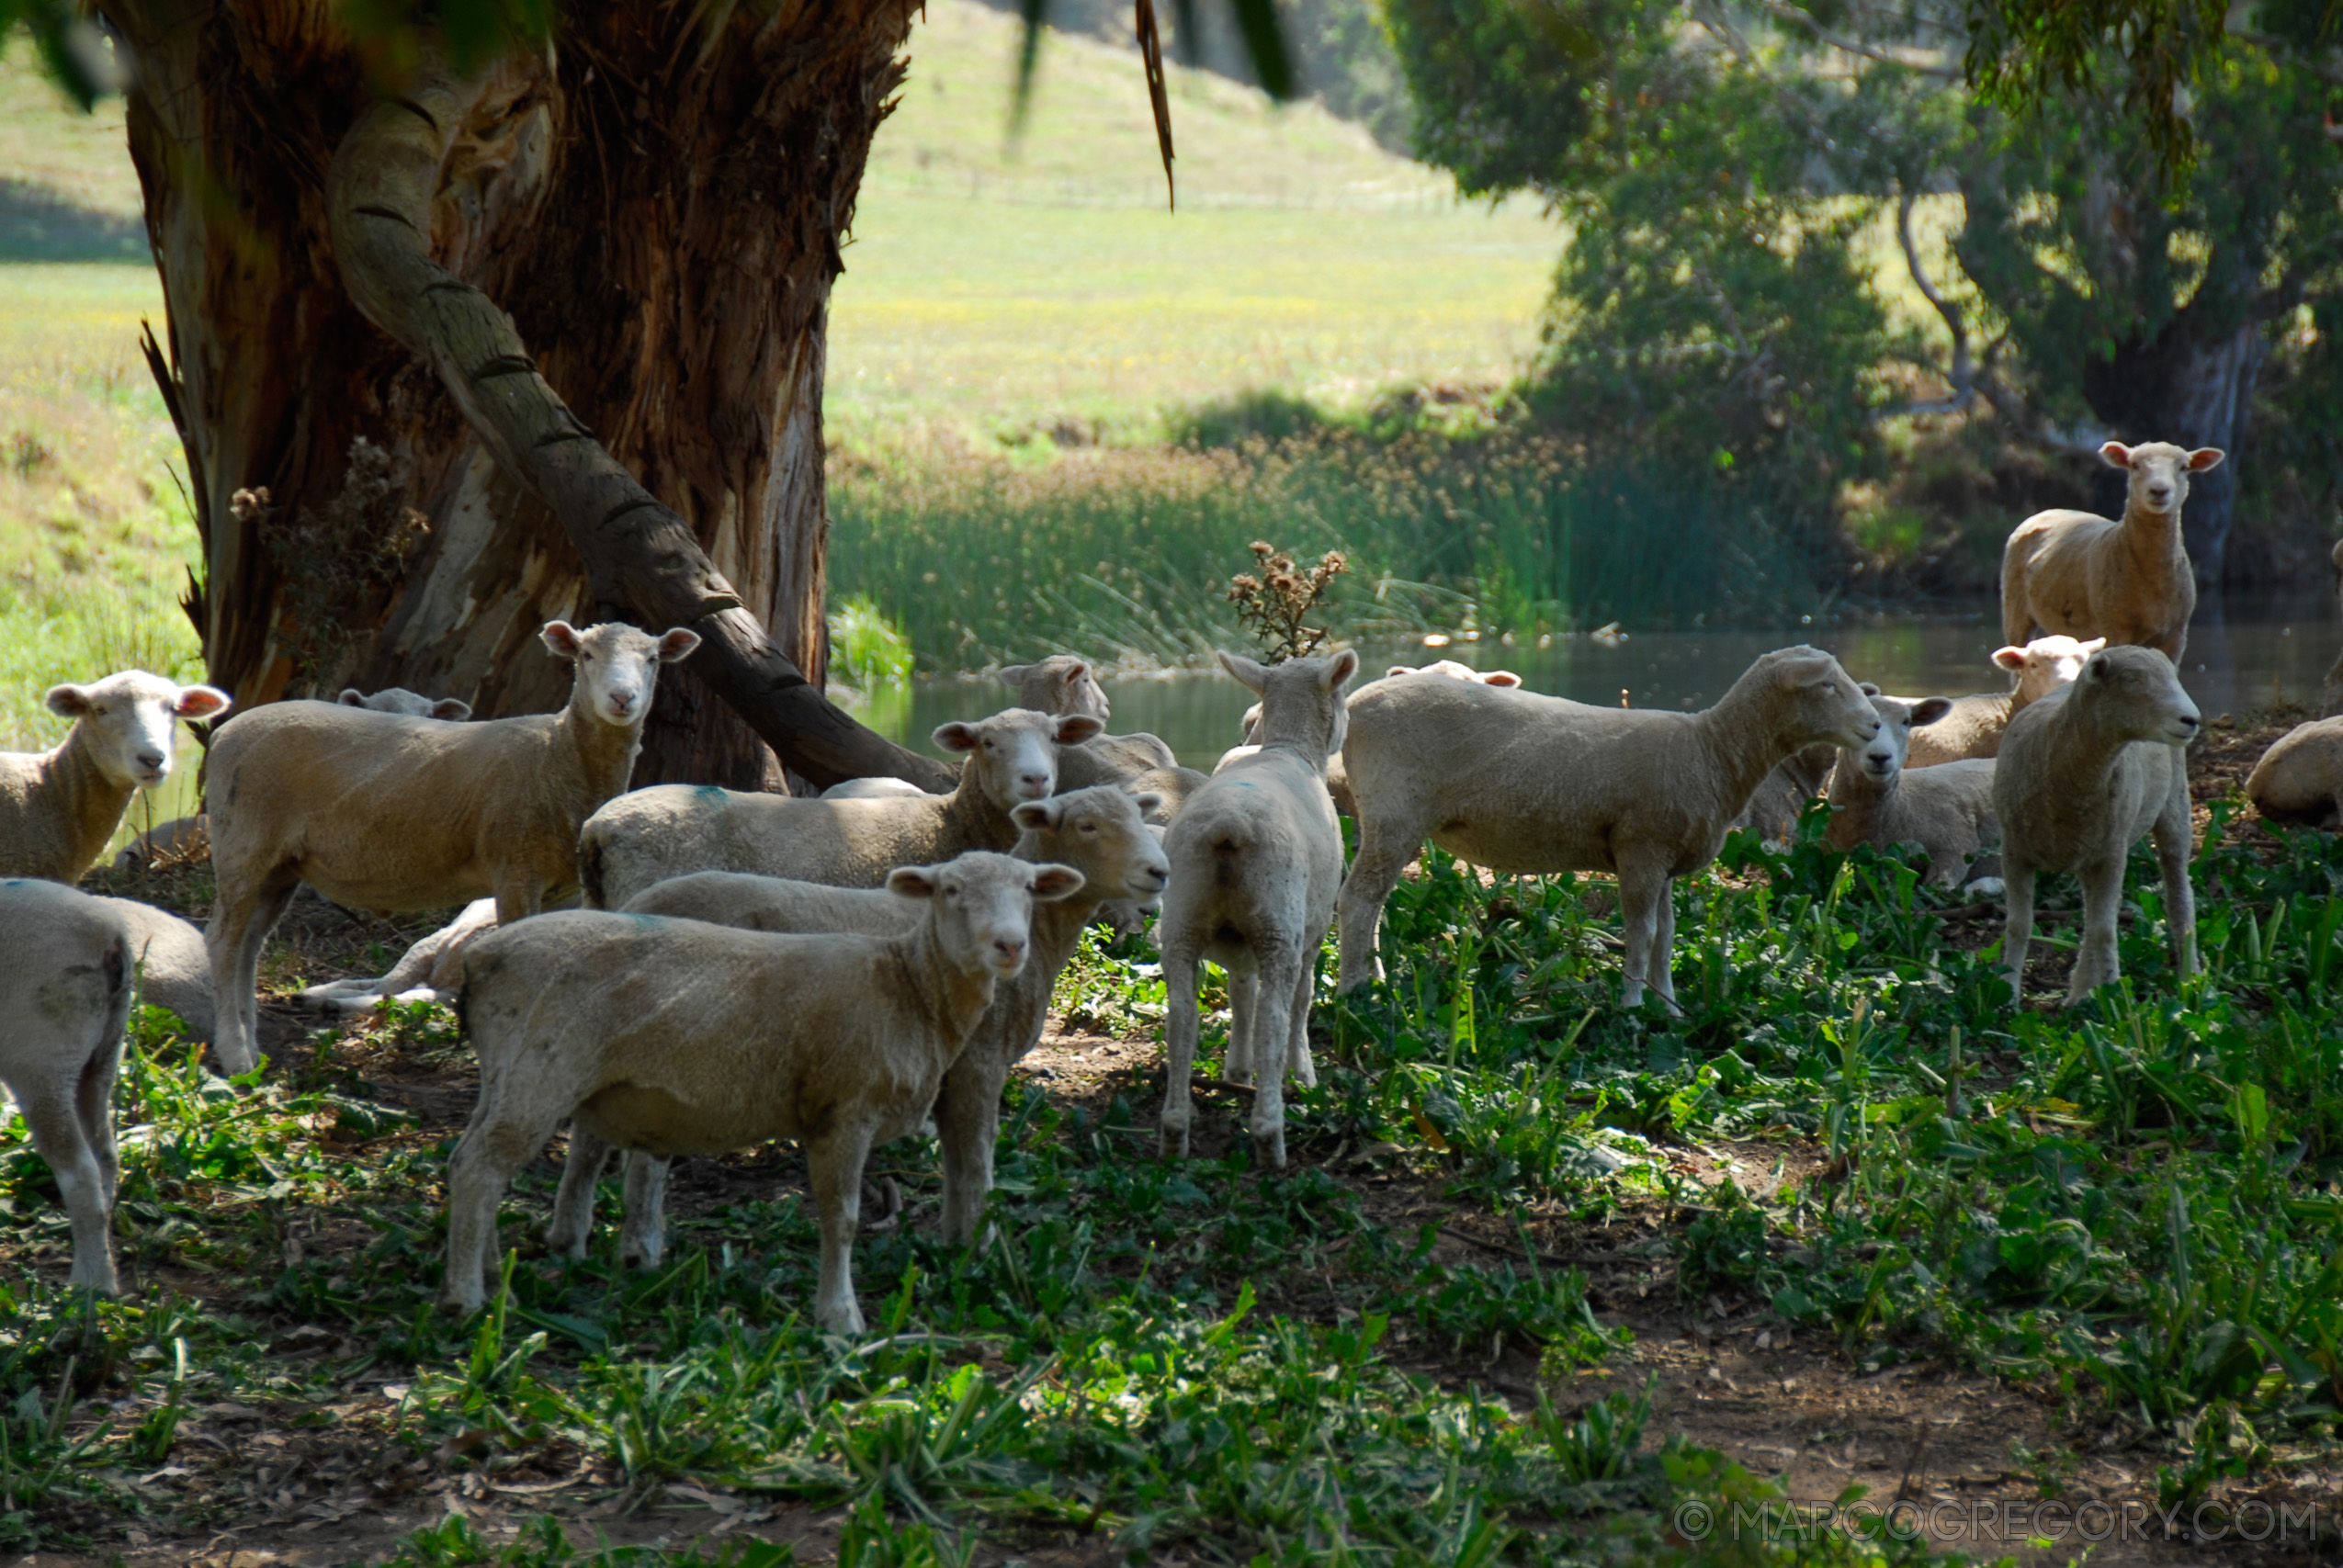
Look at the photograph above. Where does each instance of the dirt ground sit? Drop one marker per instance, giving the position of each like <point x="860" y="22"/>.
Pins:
<point x="1968" y="1460"/>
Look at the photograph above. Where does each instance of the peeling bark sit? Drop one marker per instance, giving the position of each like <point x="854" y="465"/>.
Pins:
<point x="659" y="209"/>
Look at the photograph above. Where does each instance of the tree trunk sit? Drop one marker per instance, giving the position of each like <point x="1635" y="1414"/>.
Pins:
<point x="2191" y="385"/>
<point x="658" y="208"/>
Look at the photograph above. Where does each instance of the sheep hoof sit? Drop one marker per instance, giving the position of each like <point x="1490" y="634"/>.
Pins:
<point x="1268" y="1150"/>
<point x="1172" y="1143"/>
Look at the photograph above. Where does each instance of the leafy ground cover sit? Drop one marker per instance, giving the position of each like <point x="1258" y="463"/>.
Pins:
<point x="1546" y="1278"/>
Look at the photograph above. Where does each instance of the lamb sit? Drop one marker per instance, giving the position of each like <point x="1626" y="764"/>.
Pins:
<point x="381" y="811"/>
<point x="1521" y="783"/>
<point x="398" y="699"/>
<point x="1098" y="832"/>
<point x="1974" y="726"/>
<point x="1062" y="683"/>
<point x="58" y="809"/>
<point x="65" y="983"/>
<point x="1256" y="859"/>
<point x="1337" y="783"/>
<point x="1781" y="798"/>
<point x="680" y="1037"/>
<point x="431" y="970"/>
<point x="1947" y="809"/>
<point x="2299" y="778"/>
<point x="671" y="830"/>
<point x="168" y="955"/>
<point x="2127" y="581"/>
<point x="2082" y="775"/>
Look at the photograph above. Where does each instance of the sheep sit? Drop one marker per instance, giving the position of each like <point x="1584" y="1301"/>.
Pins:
<point x="398" y="699"/>
<point x="1337" y="785"/>
<point x="58" y="809"/>
<point x="2299" y="778"/>
<point x="2127" y="581"/>
<point x="1781" y="797"/>
<point x="431" y="970"/>
<point x="680" y="1037"/>
<point x="1256" y="858"/>
<point x="1101" y="833"/>
<point x="173" y="971"/>
<point x="870" y="789"/>
<point x="1973" y="727"/>
<point x="1947" y="809"/>
<point x="670" y="829"/>
<point x="2082" y="775"/>
<point x="66" y="962"/>
<point x="2330" y="693"/>
<point x="1521" y="783"/>
<point x="1064" y="684"/>
<point x="381" y="811"/>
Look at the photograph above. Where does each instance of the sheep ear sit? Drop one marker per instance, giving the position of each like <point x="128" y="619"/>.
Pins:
<point x="1035" y="814"/>
<point x="2012" y="657"/>
<point x="1339" y="669"/>
<point x="2205" y="458"/>
<point x="912" y="881"/>
<point x="955" y="736"/>
<point x="1868" y="689"/>
<point x="351" y="697"/>
<point x="1014" y="675"/>
<point x="678" y="645"/>
<point x="201" y="701"/>
<point x="1075" y="673"/>
<point x="1051" y="883"/>
<point x="1409" y="669"/>
<point x="1500" y="677"/>
<point x="71" y="700"/>
<point x="1244" y="671"/>
<point x="1928" y="710"/>
<point x="1076" y="728"/>
<point x="453" y="709"/>
<point x="2095" y="645"/>
<point x="2115" y="454"/>
<point x="2097" y="669"/>
<point x="1148" y="801"/>
<point x="560" y="639"/>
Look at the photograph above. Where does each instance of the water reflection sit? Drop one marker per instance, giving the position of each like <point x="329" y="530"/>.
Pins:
<point x="2259" y="654"/>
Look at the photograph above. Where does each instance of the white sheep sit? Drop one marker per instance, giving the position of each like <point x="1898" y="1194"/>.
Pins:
<point x="58" y="809"/>
<point x="66" y="966"/>
<point x="1521" y="783"/>
<point x="1973" y="727"/>
<point x="676" y="1037"/>
<point x="671" y="830"/>
<point x="172" y="969"/>
<point x="380" y="811"/>
<point x="431" y="970"/>
<point x="1256" y="858"/>
<point x="2082" y="775"/>
<point x="1101" y="833"/>
<point x="2299" y="778"/>
<point x="1781" y="797"/>
<point x="1337" y="783"/>
<point x="879" y="788"/>
<point x="398" y="699"/>
<point x="2126" y="580"/>
<point x="1062" y="683"/>
<point x="1876" y="799"/>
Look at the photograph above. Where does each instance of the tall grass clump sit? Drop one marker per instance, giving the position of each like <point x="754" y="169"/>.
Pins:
<point x="1120" y="552"/>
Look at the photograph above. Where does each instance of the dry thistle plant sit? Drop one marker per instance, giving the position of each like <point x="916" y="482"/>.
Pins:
<point x="1274" y="604"/>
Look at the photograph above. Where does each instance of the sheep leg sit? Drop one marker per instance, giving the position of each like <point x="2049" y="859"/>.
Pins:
<point x="572" y="1224"/>
<point x="518" y="896"/>
<point x="1384" y="853"/>
<point x="835" y="1165"/>
<point x="1243" y="1063"/>
<point x="1662" y="961"/>
<point x="1297" y="1053"/>
<point x="967" y="1123"/>
<point x="1178" y="1055"/>
<point x="53" y="1117"/>
<point x="2096" y="963"/>
<point x="2018" y="924"/>
<point x="1272" y="1035"/>
<point x="642" y="1233"/>
<point x="1642" y="893"/>
<point x="241" y="921"/>
<point x="494" y="1147"/>
<point x="2172" y="845"/>
<point x="93" y="1105"/>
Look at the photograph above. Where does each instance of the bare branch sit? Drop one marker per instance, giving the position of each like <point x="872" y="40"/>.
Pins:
<point x="1791" y="14"/>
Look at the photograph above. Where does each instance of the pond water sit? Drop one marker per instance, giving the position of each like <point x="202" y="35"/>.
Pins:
<point x="2241" y="656"/>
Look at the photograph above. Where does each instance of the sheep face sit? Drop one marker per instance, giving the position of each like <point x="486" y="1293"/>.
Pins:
<point x="982" y="906"/>
<point x="1014" y="754"/>
<point x="2135" y="693"/>
<point x="1103" y="833"/>
<point x="399" y="700"/>
<point x="2159" y="472"/>
<point x="1884" y="757"/>
<point x="1825" y="703"/>
<point x="2046" y="664"/>
<point x="1061" y="683"/>
<point x="128" y="721"/>
<point x="617" y="666"/>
